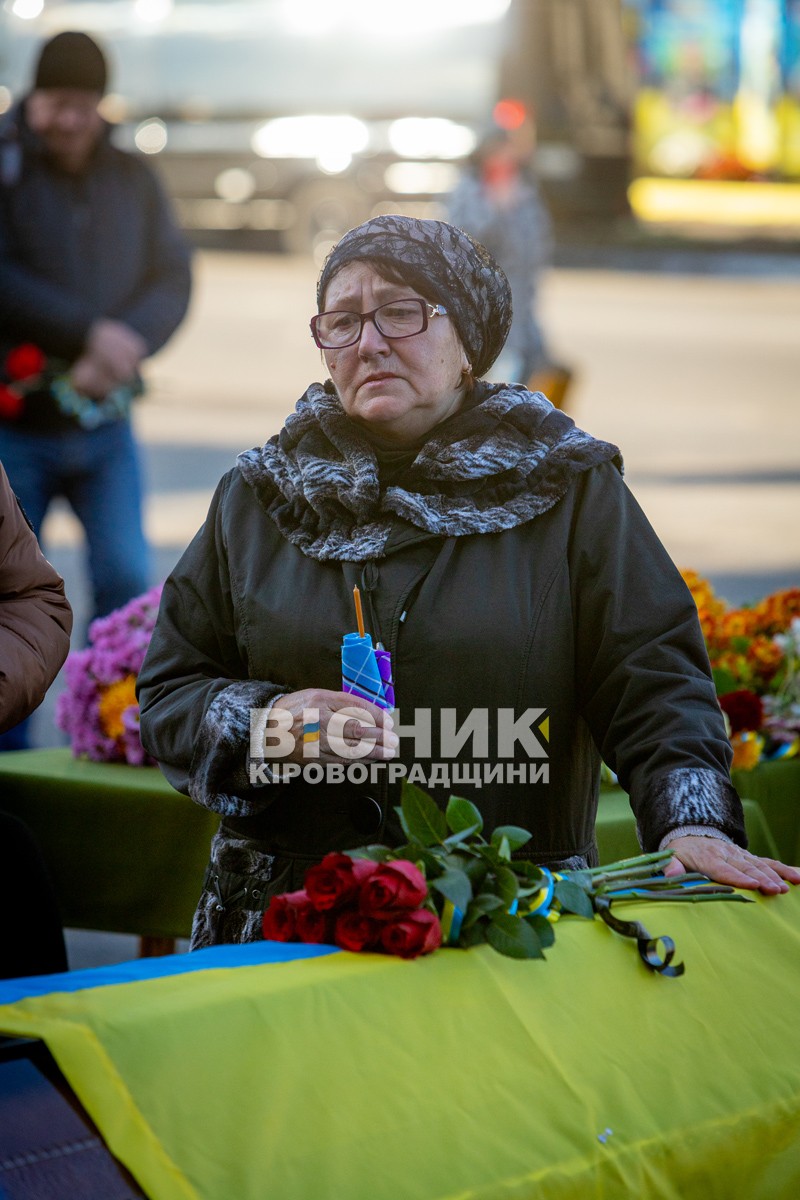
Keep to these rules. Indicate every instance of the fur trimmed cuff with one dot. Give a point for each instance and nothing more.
(219, 777)
(689, 796)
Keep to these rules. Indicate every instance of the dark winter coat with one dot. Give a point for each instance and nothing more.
(508, 567)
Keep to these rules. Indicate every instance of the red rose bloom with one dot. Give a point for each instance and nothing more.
(363, 868)
(312, 925)
(392, 886)
(11, 404)
(743, 709)
(24, 361)
(414, 933)
(280, 918)
(355, 932)
(332, 883)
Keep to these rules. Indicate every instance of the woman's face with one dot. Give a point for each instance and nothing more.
(399, 388)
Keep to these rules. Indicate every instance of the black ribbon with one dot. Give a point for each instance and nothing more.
(648, 946)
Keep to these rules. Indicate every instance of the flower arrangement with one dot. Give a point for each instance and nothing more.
(358, 904)
(28, 369)
(755, 661)
(449, 885)
(98, 708)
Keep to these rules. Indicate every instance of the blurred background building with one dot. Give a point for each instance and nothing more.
(288, 121)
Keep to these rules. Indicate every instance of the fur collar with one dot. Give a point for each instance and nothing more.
(491, 467)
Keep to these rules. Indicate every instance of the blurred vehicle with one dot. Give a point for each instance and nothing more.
(301, 118)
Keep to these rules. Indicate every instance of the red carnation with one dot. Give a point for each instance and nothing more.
(332, 883)
(354, 931)
(414, 933)
(393, 886)
(743, 709)
(25, 361)
(280, 918)
(11, 404)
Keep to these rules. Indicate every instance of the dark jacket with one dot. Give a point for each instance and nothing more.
(76, 248)
(574, 611)
(35, 616)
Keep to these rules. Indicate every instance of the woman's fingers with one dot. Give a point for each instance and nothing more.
(327, 726)
(724, 862)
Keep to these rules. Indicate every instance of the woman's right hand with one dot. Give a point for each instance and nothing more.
(350, 729)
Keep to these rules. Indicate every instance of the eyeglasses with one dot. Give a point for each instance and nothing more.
(397, 319)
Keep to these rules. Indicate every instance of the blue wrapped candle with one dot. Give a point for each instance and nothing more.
(367, 671)
(385, 667)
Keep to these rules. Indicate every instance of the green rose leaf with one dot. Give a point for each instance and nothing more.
(489, 855)
(422, 819)
(529, 871)
(544, 930)
(455, 887)
(462, 816)
(507, 885)
(483, 904)
(477, 870)
(463, 835)
(513, 834)
(513, 937)
(471, 935)
(573, 898)
(375, 853)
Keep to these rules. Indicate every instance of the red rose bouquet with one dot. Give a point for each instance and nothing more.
(27, 370)
(24, 365)
(358, 904)
(449, 885)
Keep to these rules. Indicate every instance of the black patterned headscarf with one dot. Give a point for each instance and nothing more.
(446, 266)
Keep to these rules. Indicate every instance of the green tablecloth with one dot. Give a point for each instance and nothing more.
(616, 828)
(462, 1076)
(127, 852)
(775, 786)
(771, 797)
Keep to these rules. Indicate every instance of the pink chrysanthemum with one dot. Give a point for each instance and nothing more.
(98, 708)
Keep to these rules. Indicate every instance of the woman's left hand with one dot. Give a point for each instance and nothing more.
(725, 862)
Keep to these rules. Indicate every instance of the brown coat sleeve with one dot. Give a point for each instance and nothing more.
(35, 615)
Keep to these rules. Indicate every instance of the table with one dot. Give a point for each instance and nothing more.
(463, 1074)
(772, 787)
(775, 786)
(127, 852)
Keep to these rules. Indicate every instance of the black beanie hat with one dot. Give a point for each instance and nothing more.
(71, 60)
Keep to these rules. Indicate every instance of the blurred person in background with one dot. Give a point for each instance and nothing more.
(35, 624)
(94, 278)
(507, 569)
(498, 202)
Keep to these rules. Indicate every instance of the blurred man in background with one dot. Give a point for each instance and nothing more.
(94, 278)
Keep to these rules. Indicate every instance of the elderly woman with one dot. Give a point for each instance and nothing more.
(534, 620)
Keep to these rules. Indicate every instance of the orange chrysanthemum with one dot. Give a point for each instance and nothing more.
(747, 749)
(774, 613)
(113, 702)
